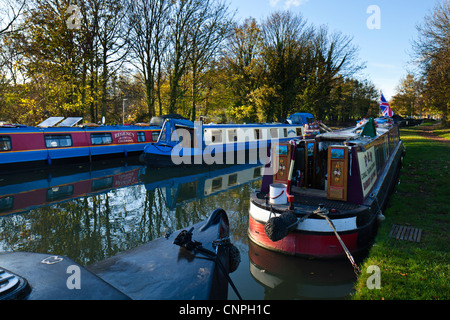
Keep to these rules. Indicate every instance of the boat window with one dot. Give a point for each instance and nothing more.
(185, 135)
(274, 133)
(257, 134)
(61, 192)
(6, 203)
(285, 132)
(162, 137)
(232, 179)
(58, 140)
(101, 138)
(103, 183)
(155, 135)
(5, 143)
(216, 184)
(257, 172)
(216, 136)
(140, 136)
(232, 135)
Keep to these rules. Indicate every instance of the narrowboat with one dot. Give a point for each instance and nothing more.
(183, 142)
(57, 139)
(188, 264)
(322, 197)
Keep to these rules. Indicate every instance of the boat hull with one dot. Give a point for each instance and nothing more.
(314, 237)
(161, 156)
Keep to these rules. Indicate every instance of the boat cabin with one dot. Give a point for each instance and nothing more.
(219, 134)
(339, 165)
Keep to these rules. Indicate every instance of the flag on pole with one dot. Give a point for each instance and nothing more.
(385, 107)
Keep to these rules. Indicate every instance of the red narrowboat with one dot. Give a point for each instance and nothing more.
(54, 140)
(322, 196)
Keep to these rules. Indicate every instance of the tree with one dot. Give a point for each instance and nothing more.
(432, 53)
(50, 56)
(10, 11)
(408, 97)
(242, 61)
(212, 27)
(148, 24)
(112, 40)
(332, 55)
(180, 40)
(285, 45)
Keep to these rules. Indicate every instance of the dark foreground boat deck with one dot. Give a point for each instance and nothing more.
(162, 270)
(190, 264)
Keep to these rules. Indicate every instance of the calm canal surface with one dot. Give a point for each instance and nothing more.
(90, 212)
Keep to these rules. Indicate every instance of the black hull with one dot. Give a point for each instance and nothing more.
(158, 270)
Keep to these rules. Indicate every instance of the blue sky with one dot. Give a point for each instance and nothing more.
(385, 50)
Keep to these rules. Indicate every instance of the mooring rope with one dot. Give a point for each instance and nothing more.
(322, 213)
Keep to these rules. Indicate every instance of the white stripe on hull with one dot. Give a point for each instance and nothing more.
(315, 225)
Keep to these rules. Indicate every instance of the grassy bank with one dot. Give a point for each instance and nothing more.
(410, 270)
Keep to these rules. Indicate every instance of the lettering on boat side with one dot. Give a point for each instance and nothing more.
(228, 309)
(367, 168)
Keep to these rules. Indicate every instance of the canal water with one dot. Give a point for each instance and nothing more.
(90, 212)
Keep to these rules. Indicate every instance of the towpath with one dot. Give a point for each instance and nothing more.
(427, 132)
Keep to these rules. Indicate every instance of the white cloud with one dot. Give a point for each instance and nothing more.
(273, 3)
(288, 3)
(295, 3)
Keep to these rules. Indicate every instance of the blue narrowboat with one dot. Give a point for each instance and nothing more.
(183, 142)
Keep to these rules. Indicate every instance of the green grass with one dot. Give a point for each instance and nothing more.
(444, 133)
(410, 270)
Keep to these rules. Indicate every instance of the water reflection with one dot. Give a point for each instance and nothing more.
(93, 211)
(288, 277)
(90, 212)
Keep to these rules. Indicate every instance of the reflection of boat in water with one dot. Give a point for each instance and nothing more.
(201, 181)
(289, 277)
(22, 192)
(25, 191)
(168, 268)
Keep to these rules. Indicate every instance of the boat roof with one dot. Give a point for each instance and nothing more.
(181, 122)
(246, 125)
(352, 135)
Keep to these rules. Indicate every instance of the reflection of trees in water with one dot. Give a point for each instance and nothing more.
(92, 228)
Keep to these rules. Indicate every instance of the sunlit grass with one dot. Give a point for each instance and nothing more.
(412, 270)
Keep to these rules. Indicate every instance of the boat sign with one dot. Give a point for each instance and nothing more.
(368, 169)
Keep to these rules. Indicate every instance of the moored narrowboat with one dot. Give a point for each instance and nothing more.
(183, 142)
(54, 140)
(322, 197)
